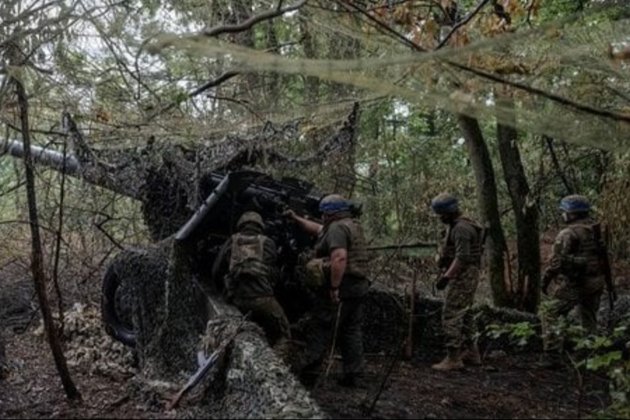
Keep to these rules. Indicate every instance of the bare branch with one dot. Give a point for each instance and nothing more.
(23, 16)
(462, 23)
(490, 76)
(208, 85)
(243, 26)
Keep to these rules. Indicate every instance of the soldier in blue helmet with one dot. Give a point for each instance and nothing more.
(575, 275)
(460, 262)
(341, 244)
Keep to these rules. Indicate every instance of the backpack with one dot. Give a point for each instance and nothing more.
(246, 258)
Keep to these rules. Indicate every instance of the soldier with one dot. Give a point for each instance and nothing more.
(341, 248)
(246, 263)
(461, 260)
(576, 274)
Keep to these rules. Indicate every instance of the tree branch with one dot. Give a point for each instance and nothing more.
(489, 76)
(556, 164)
(208, 85)
(243, 26)
(462, 23)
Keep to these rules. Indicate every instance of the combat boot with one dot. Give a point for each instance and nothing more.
(452, 361)
(471, 355)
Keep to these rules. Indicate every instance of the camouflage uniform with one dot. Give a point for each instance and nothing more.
(577, 280)
(463, 240)
(246, 263)
(342, 232)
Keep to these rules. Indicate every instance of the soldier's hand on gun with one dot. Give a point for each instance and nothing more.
(442, 283)
(289, 213)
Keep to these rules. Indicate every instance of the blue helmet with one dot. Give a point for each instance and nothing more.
(575, 204)
(334, 203)
(444, 203)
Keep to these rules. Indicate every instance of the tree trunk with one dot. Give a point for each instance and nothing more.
(37, 265)
(311, 83)
(3, 358)
(489, 207)
(525, 211)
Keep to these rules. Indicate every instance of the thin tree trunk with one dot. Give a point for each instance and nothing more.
(556, 163)
(525, 210)
(488, 205)
(37, 254)
(311, 83)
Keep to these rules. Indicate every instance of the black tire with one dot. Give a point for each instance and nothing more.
(112, 322)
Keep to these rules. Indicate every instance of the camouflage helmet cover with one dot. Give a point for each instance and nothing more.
(250, 217)
(575, 204)
(333, 203)
(445, 203)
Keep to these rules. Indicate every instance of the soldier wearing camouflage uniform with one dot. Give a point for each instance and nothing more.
(575, 274)
(461, 260)
(246, 263)
(341, 243)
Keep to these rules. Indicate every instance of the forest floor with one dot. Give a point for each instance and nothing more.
(504, 387)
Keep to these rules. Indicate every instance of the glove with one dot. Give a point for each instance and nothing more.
(442, 283)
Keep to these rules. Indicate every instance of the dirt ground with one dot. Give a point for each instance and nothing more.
(505, 387)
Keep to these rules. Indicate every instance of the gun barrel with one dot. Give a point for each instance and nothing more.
(42, 156)
(203, 210)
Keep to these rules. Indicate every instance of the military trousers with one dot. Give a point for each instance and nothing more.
(457, 321)
(320, 332)
(566, 294)
(266, 312)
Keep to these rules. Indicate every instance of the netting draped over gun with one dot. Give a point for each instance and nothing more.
(206, 365)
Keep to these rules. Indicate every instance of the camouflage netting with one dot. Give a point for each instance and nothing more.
(467, 79)
(315, 139)
(259, 385)
(387, 322)
(88, 346)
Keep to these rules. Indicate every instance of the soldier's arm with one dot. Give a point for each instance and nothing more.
(463, 245)
(338, 262)
(561, 251)
(338, 241)
(309, 226)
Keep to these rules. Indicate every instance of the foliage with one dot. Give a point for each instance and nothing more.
(596, 356)
(518, 332)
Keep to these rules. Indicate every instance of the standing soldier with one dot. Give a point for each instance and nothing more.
(246, 262)
(461, 260)
(577, 271)
(341, 246)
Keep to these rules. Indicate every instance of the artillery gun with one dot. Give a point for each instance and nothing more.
(158, 298)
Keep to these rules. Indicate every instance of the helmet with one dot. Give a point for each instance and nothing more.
(250, 217)
(334, 203)
(444, 203)
(575, 204)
